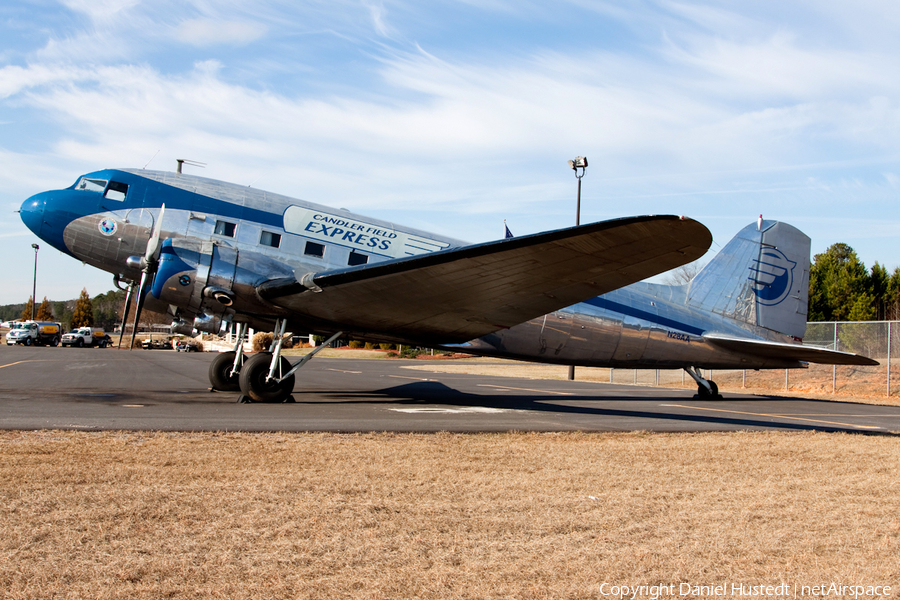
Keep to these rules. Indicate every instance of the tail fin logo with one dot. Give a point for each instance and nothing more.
(772, 276)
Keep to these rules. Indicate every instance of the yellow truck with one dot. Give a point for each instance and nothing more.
(86, 336)
(39, 333)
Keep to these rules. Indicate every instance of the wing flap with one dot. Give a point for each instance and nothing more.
(460, 294)
(799, 352)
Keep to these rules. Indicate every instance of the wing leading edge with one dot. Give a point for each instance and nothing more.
(778, 350)
(460, 294)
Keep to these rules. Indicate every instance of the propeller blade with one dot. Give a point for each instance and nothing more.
(128, 296)
(142, 291)
(151, 257)
(152, 252)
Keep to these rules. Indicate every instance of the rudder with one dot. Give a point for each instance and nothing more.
(760, 277)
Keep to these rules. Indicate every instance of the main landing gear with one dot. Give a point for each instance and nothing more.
(706, 388)
(263, 377)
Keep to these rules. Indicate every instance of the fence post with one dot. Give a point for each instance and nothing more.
(834, 367)
(889, 361)
(785, 380)
(611, 374)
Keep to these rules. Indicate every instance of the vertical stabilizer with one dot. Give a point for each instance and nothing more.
(760, 277)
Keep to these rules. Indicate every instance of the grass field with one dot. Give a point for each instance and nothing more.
(130, 515)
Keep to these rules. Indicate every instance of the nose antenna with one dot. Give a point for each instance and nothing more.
(193, 163)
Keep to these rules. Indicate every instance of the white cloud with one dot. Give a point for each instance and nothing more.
(210, 32)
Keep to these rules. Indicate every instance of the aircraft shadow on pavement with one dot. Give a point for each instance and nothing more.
(433, 392)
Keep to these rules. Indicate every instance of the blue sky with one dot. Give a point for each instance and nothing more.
(452, 116)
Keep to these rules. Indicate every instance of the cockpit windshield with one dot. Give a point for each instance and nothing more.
(91, 185)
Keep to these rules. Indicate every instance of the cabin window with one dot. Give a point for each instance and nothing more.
(225, 228)
(314, 249)
(116, 191)
(357, 259)
(267, 238)
(91, 185)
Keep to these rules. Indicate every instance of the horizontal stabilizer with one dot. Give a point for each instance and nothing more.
(779, 350)
(459, 294)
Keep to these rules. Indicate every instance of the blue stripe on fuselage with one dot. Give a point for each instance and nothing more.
(606, 304)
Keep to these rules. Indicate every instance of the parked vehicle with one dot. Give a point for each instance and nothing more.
(86, 336)
(151, 344)
(185, 345)
(39, 333)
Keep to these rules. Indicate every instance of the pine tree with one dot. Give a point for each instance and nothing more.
(839, 286)
(26, 312)
(44, 312)
(83, 316)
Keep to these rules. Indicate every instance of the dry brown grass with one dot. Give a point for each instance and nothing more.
(130, 515)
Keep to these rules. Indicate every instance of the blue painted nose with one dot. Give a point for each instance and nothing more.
(32, 213)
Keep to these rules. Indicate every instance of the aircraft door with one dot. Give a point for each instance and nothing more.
(632, 340)
(555, 332)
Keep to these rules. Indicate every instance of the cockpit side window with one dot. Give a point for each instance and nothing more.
(91, 185)
(116, 191)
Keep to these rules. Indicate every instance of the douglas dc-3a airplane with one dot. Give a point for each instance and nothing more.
(212, 253)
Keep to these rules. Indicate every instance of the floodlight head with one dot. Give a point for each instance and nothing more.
(580, 162)
(36, 247)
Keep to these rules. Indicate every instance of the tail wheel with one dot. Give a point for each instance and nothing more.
(711, 393)
(220, 376)
(253, 379)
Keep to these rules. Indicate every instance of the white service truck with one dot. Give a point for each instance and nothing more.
(86, 336)
(39, 333)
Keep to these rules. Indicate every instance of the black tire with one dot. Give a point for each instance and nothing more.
(708, 394)
(54, 342)
(253, 379)
(220, 377)
(27, 341)
(80, 343)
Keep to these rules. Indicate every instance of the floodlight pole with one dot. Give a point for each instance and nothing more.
(580, 162)
(34, 288)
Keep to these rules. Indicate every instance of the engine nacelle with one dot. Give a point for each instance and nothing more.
(182, 327)
(204, 286)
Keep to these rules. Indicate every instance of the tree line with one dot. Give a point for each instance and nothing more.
(103, 311)
(842, 289)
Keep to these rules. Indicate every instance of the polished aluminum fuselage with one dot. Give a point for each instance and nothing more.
(639, 326)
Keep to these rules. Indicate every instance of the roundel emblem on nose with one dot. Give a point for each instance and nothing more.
(184, 280)
(108, 226)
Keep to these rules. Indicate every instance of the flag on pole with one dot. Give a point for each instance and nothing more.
(508, 232)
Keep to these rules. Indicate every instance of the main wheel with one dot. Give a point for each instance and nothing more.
(711, 393)
(220, 376)
(253, 379)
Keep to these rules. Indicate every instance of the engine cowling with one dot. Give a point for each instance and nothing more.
(205, 284)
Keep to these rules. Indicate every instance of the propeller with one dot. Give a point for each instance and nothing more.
(148, 264)
(128, 296)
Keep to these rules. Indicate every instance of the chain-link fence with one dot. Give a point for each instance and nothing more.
(879, 340)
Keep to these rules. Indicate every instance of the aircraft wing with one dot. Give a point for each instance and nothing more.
(779, 350)
(456, 295)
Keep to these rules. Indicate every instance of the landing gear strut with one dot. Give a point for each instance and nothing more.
(268, 376)
(706, 388)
